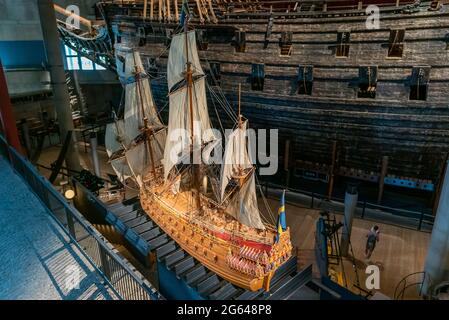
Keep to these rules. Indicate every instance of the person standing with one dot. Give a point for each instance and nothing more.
(372, 239)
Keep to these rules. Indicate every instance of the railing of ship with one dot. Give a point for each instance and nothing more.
(126, 282)
(421, 220)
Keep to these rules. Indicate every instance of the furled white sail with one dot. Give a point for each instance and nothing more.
(235, 157)
(177, 58)
(179, 124)
(244, 206)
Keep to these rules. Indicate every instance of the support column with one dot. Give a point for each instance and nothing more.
(94, 154)
(287, 163)
(8, 121)
(351, 198)
(26, 136)
(437, 260)
(383, 173)
(330, 189)
(58, 80)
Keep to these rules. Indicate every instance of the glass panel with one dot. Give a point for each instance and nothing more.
(70, 52)
(86, 64)
(73, 63)
(98, 67)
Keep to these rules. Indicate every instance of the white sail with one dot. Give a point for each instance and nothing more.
(235, 157)
(115, 138)
(121, 169)
(177, 58)
(138, 156)
(179, 124)
(138, 99)
(243, 206)
(115, 141)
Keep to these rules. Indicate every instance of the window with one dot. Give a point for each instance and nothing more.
(305, 80)
(367, 82)
(73, 62)
(257, 77)
(240, 41)
(396, 43)
(342, 49)
(285, 42)
(77, 62)
(201, 39)
(419, 83)
(214, 75)
(153, 70)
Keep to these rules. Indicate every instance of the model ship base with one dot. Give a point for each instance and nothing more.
(247, 262)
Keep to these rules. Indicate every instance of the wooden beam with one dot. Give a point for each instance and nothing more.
(176, 10)
(211, 9)
(151, 9)
(145, 6)
(332, 170)
(198, 5)
(160, 10)
(383, 173)
(67, 13)
(168, 10)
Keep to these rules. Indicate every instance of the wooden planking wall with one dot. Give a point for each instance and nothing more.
(413, 133)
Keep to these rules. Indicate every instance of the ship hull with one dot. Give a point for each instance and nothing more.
(211, 247)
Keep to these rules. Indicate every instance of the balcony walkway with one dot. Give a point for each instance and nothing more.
(37, 260)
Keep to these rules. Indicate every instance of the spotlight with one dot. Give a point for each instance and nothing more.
(69, 194)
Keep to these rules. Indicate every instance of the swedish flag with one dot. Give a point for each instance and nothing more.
(184, 13)
(281, 224)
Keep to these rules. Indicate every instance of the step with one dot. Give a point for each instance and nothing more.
(144, 227)
(151, 234)
(184, 265)
(136, 221)
(123, 210)
(130, 216)
(207, 284)
(285, 269)
(174, 257)
(249, 295)
(165, 249)
(224, 293)
(158, 241)
(195, 274)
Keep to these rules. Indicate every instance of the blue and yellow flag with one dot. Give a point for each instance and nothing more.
(184, 13)
(282, 224)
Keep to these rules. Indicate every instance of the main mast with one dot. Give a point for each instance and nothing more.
(189, 81)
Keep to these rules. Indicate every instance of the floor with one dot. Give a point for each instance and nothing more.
(37, 260)
(399, 252)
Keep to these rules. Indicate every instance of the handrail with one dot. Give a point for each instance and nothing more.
(420, 217)
(402, 285)
(109, 260)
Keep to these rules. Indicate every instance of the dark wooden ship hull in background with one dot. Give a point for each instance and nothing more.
(317, 88)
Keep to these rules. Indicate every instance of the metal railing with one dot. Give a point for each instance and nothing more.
(413, 280)
(126, 282)
(419, 220)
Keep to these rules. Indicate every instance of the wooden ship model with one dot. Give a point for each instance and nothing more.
(210, 209)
